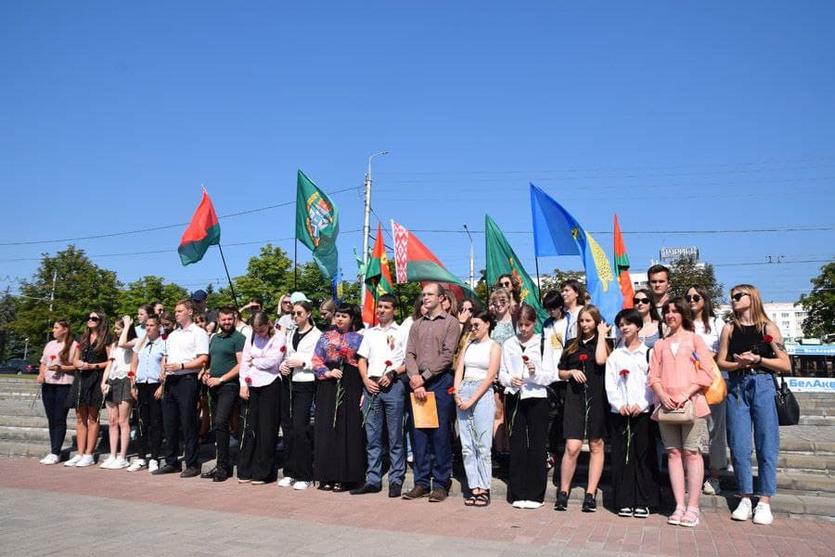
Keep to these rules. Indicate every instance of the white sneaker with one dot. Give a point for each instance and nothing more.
(286, 481)
(520, 504)
(743, 510)
(153, 465)
(532, 504)
(118, 463)
(107, 462)
(51, 458)
(136, 465)
(74, 460)
(299, 486)
(86, 460)
(711, 487)
(762, 514)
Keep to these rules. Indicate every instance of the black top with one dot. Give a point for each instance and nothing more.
(91, 356)
(298, 336)
(751, 338)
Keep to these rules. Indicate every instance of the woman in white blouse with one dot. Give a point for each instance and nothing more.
(116, 387)
(633, 445)
(526, 410)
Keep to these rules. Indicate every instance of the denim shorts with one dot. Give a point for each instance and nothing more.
(688, 437)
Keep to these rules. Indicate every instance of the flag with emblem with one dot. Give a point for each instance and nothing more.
(377, 278)
(317, 226)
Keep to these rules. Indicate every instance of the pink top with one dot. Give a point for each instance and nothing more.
(260, 360)
(52, 356)
(677, 372)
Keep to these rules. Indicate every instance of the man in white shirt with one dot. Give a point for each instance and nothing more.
(186, 352)
(381, 368)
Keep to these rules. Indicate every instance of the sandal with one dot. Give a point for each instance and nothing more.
(691, 518)
(675, 518)
(482, 499)
(469, 501)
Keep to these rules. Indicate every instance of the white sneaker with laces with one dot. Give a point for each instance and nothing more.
(86, 460)
(299, 486)
(118, 463)
(51, 458)
(743, 510)
(107, 462)
(136, 465)
(762, 514)
(74, 460)
(711, 487)
(153, 465)
(286, 481)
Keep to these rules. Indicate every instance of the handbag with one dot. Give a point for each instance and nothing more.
(788, 410)
(684, 415)
(718, 390)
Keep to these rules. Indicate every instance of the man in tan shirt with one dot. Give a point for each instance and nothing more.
(429, 353)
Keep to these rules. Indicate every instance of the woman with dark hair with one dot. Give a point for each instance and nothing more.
(56, 376)
(650, 331)
(514, 290)
(474, 376)
(260, 387)
(584, 417)
(297, 392)
(709, 327)
(526, 410)
(339, 449)
(574, 298)
(85, 394)
(116, 388)
(677, 376)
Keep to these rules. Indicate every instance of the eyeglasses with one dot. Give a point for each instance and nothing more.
(694, 298)
(640, 301)
(94, 318)
(738, 296)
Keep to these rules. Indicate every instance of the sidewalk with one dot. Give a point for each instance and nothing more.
(109, 511)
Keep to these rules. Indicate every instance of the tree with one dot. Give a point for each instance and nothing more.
(820, 304)
(553, 281)
(149, 289)
(11, 344)
(80, 286)
(686, 271)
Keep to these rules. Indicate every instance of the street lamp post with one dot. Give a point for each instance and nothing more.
(25, 347)
(472, 257)
(366, 224)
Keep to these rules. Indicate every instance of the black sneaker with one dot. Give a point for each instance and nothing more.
(562, 501)
(395, 490)
(641, 512)
(589, 504)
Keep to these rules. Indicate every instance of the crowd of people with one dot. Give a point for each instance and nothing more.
(343, 395)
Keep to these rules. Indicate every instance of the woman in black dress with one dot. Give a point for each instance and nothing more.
(339, 447)
(85, 394)
(583, 363)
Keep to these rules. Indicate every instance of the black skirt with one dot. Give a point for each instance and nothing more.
(86, 390)
(586, 408)
(339, 451)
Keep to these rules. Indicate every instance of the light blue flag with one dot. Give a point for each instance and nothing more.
(556, 232)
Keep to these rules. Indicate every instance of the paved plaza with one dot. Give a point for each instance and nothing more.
(53, 510)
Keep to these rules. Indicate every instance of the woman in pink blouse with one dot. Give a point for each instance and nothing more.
(677, 377)
(55, 376)
(260, 389)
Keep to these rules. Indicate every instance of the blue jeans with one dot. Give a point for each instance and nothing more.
(437, 442)
(386, 407)
(751, 403)
(475, 427)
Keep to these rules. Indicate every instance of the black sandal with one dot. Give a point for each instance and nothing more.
(469, 501)
(482, 499)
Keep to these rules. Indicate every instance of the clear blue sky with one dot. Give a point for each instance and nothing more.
(679, 116)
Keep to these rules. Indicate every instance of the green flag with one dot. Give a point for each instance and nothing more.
(317, 225)
(502, 260)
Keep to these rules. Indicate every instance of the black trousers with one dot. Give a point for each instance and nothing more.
(223, 398)
(179, 413)
(634, 479)
(296, 428)
(259, 432)
(149, 410)
(528, 440)
(555, 415)
(54, 404)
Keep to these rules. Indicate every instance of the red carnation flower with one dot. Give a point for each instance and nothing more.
(284, 348)
(388, 363)
(248, 380)
(767, 339)
(584, 357)
(451, 391)
(52, 356)
(524, 358)
(624, 373)
(131, 373)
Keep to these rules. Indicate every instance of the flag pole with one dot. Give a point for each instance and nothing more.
(225, 268)
(538, 284)
(295, 264)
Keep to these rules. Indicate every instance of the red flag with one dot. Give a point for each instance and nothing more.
(377, 279)
(202, 232)
(622, 267)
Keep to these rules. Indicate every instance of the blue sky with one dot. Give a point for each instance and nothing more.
(679, 117)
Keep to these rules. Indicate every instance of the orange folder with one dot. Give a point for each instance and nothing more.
(425, 412)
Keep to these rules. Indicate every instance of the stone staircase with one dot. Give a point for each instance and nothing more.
(806, 465)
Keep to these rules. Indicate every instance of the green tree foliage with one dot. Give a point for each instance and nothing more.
(687, 271)
(820, 304)
(552, 281)
(11, 344)
(149, 289)
(81, 286)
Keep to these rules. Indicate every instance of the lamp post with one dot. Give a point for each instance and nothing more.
(366, 223)
(25, 347)
(472, 257)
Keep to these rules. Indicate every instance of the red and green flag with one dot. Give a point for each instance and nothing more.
(202, 232)
(377, 278)
(622, 267)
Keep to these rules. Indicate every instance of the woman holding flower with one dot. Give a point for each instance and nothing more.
(260, 390)
(584, 417)
(116, 383)
(751, 349)
(526, 398)
(339, 449)
(55, 376)
(677, 377)
(634, 470)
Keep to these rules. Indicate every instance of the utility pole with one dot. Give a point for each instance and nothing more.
(472, 258)
(366, 223)
(52, 299)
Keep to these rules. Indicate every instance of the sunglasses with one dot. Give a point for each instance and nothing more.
(640, 301)
(738, 296)
(94, 318)
(693, 298)
(505, 284)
